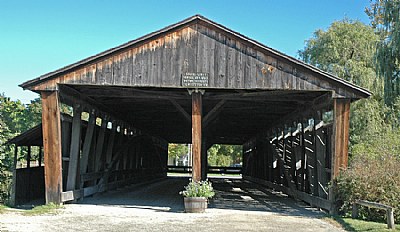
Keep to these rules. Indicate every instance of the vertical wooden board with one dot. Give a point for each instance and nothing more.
(66, 128)
(201, 59)
(100, 145)
(321, 142)
(220, 62)
(110, 145)
(240, 62)
(157, 63)
(261, 71)
(128, 68)
(116, 69)
(231, 64)
(341, 116)
(150, 60)
(52, 146)
(315, 160)
(75, 148)
(175, 60)
(293, 82)
(211, 58)
(252, 81)
(99, 73)
(246, 69)
(87, 144)
(179, 54)
(142, 60)
(192, 43)
(107, 71)
(166, 60)
(136, 68)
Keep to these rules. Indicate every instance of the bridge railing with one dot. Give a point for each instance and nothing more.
(210, 169)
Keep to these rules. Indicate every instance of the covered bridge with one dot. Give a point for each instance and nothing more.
(193, 82)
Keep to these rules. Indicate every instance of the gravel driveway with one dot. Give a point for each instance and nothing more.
(238, 206)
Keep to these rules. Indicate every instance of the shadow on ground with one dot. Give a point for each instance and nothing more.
(244, 195)
(233, 194)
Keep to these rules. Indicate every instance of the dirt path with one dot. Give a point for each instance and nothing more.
(238, 206)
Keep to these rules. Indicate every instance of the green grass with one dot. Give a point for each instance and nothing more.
(350, 224)
(43, 209)
(3, 208)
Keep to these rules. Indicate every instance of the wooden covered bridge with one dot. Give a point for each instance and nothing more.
(107, 119)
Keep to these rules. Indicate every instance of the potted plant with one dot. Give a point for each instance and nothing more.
(196, 195)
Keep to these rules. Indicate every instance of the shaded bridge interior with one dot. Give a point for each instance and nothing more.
(281, 148)
(229, 116)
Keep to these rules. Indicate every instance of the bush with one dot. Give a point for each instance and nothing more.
(375, 179)
(198, 189)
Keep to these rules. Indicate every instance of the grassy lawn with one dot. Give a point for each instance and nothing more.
(350, 224)
(43, 209)
(2, 208)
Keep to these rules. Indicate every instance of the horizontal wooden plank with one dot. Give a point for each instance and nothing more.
(71, 195)
(373, 204)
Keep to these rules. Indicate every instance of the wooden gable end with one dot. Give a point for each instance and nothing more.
(231, 62)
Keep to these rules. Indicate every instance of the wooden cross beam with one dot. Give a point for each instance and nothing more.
(180, 109)
(213, 113)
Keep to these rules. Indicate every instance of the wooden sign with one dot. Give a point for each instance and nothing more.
(195, 80)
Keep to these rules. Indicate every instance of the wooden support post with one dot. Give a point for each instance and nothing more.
(320, 150)
(100, 144)
(303, 159)
(52, 146)
(87, 143)
(28, 157)
(340, 142)
(204, 162)
(316, 169)
(40, 156)
(75, 148)
(14, 177)
(196, 135)
(390, 218)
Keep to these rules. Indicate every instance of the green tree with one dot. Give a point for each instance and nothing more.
(347, 50)
(385, 18)
(15, 118)
(224, 155)
(175, 150)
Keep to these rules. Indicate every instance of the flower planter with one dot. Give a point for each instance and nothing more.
(195, 204)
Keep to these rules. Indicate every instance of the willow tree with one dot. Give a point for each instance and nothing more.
(385, 18)
(347, 49)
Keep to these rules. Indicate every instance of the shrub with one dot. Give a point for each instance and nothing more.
(375, 179)
(198, 189)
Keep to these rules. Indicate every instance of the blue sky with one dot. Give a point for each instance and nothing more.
(37, 37)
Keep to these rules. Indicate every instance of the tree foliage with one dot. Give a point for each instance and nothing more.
(385, 18)
(346, 49)
(224, 155)
(175, 150)
(15, 118)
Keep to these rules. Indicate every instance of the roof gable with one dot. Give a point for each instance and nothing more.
(197, 44)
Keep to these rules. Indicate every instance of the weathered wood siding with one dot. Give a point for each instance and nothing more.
(231, 63)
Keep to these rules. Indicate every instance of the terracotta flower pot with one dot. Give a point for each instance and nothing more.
(195, 204)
